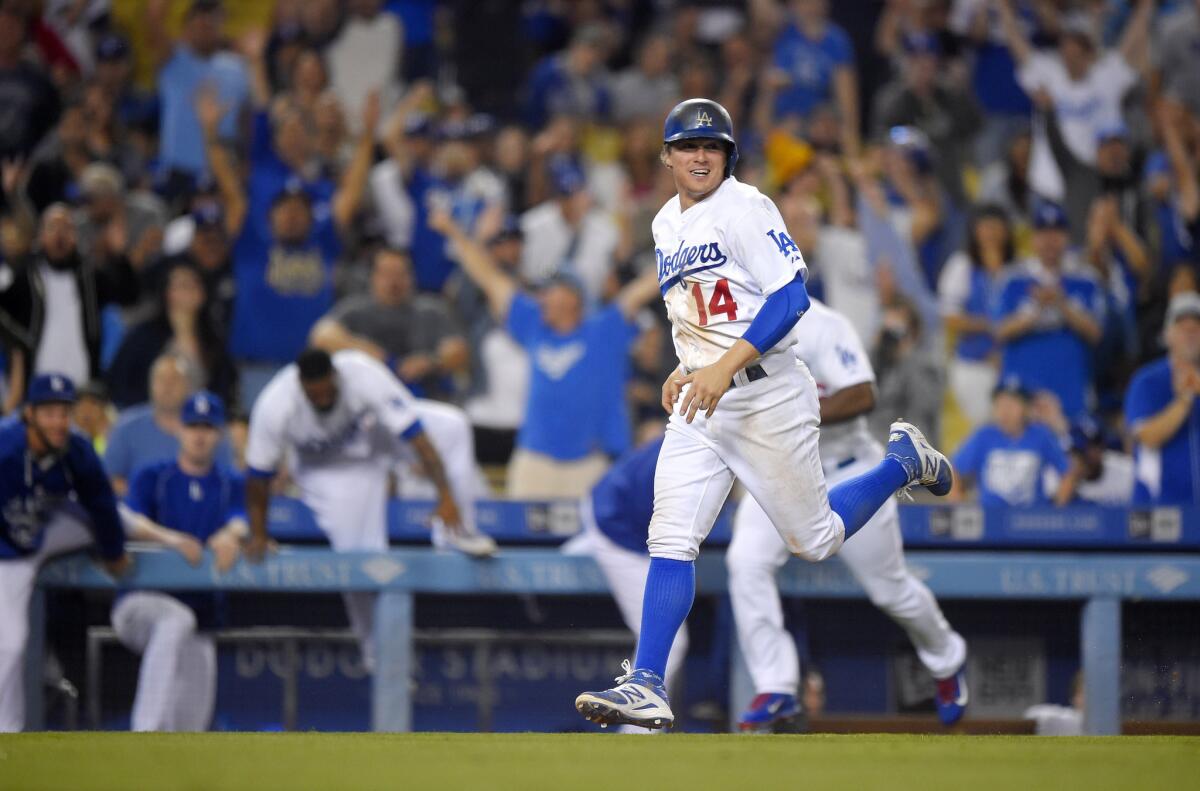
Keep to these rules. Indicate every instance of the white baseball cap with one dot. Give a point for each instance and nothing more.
(1182, 305)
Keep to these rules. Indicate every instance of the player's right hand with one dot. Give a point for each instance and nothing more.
(257, 546)
(119, 567)
(671, 390)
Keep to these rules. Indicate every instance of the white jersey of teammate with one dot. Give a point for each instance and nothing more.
(835, 356)
(373, 408)
(342, 459)
(717, 262)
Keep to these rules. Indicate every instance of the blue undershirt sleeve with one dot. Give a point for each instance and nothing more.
(779, 314)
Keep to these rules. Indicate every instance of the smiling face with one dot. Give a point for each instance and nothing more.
(698, 167)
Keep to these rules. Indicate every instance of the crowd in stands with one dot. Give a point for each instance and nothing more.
(1003, 196)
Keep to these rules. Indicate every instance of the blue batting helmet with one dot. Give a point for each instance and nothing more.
(701, 119)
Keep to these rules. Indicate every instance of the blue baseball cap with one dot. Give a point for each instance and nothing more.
(922, 44)
(1157, 164)
(567, 177)
(51, 388)
(208, 215)
(111, 47)
(204, 409)
(1115, 131)
(1085, 431)
(1048, 215)
(1012, 385)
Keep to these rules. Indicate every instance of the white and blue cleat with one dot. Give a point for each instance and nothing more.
(952, 697)
(638, 699)
(767, 711)
(926, 466)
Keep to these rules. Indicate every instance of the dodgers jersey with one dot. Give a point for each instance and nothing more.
(32, 490)
(835, 357)
(717, 263)
(373, 408)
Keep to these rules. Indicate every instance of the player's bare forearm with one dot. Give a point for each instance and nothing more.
(477, 263)
(848, 403)
(431, 463)
(258, 497)
(634, 296)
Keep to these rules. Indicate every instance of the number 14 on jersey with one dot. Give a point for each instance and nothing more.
(721, 301)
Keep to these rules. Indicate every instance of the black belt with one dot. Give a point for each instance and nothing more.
(753, 374)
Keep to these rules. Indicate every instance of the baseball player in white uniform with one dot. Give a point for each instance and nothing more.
(342, 421)
(835, 357)
(733, 282)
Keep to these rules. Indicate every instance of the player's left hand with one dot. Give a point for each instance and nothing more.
(707, 386)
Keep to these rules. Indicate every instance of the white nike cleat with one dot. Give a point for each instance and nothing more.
(638, 699)
(469, 542)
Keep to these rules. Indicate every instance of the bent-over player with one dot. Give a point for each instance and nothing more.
(186, 503)
(54, 497)
(342, 419)
(733, 282)
(834, 354)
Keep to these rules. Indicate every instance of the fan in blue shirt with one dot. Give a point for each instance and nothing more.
(580, 362)
(814, 62)
(288, 223)
(54, 497)
(1049, 316)
(1162, 411)
(187, 503)
(1011, 461)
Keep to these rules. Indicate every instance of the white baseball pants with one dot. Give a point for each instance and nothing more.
(64, 533)
(875, 556)
(626, 573)
(177, 682)
(765, 433)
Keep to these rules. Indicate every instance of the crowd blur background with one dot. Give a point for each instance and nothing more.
(1002, 195)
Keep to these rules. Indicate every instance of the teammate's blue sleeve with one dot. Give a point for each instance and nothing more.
(96, 495)
(779, 314)
(140, 497)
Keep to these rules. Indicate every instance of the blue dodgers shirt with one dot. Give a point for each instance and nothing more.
(623, 500)
(811, 66)
(32, 491)
(196, 505)
(181, 139)
(282, 290)
(1051, 358)
(577, 399)
(1169, 475)
(1011, 471)
(137, 441)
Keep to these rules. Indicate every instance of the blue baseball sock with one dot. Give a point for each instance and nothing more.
(857, 499)
(670, 589)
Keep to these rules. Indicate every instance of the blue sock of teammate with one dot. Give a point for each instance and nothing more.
(670, 589)
(857, 499)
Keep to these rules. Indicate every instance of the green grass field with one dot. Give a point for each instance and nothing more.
(84, 761)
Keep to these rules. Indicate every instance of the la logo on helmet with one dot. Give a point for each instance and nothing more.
(703, 119)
